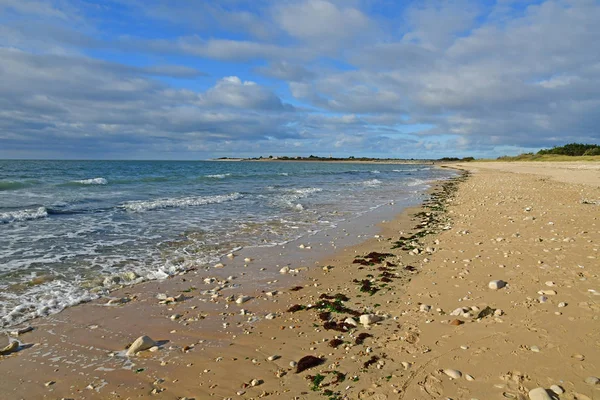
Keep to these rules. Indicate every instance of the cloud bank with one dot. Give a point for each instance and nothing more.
(193, 80)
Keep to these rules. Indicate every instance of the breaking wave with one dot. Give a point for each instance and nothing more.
(93, 181)
(23, 215)
(148, 205)
(217, 176)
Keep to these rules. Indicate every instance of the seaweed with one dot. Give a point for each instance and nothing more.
(335, 343)
(296, 307)
(324, 316)
(316, 381)
(485, 312)
(337, 326)
(296, 288)
(308, 362)
(360, 339)
(370, 361)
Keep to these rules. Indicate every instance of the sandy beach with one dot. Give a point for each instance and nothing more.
(489, 290)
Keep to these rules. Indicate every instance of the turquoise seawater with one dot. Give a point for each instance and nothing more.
(69, 230)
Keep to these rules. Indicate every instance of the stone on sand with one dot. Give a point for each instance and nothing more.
(242, 299)
(9, 348)
(453, 373)
(142, 343)
(539, 394)
(592, 380)
(368, 319)
(496, 284)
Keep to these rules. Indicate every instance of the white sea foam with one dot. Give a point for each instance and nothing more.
(93, 181)
(147, 205)
(418, 182)
(283, 174)
(375, 171)
(217, 176)
(291, 197)
(371, 183)
(23, 215)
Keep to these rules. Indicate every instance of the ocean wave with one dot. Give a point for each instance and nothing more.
(369, 183)
(23, 215)
(283, 174)
(92, 181)
(217, 176)
(12, 185)
(148, 205)
(291, 197)
(418, 182)
(375, 171)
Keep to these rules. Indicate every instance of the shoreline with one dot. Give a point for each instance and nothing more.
(416, 340)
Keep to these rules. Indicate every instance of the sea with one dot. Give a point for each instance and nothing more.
(70, 231)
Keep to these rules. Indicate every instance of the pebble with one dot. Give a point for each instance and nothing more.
(453, 373)
(539, 394)
(242, 299)
(230, 256)
(562, 304)
(293, 364)
(496, 284)
(406, 365)
(140, 344)
(550, 283)
(284, 270)
(542, 299)
(547, 292)
(557, 389)
(469, 378)
(219, 265)
(535, 349)
(9, 348)
(424, 308)
(273, 357)
(368, 319)
(247, 259)
(270, 316)
(255, 382)
(592, 380)
(21, 331)
(49, 383)
(350, 321)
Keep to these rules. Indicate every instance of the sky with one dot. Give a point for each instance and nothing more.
(200, 79)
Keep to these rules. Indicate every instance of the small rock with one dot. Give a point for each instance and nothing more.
(453, 373)
(293, 364)
(49, 383)
(9, 348)
(21, 331)
(247, 259)
(424, 308)
(302, 246)
(270, 316)
(539, 394)
(557, 389)
(592, 380)
(142, 343)
(242, 299)
(350, 321)
(550, 283)
(175, 317)
(496, 284)
(547, 292)
(255, 382)
(230, 256)
(368, 319)
(578, 357)
(273, 357)
(542, 299)
(562, 304)
(535, 349)
(406, 365)
(498, 313)
(219, 265)
(456, 322)
(284, 270)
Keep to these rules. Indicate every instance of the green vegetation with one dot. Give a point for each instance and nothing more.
(568, 152)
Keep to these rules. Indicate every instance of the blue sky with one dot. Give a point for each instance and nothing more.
(184, 79)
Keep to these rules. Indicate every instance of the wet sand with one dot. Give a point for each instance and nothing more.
(532, 232)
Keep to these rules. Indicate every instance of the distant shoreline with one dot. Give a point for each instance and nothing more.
(345, 161)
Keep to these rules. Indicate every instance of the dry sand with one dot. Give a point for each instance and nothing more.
(534, 233)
